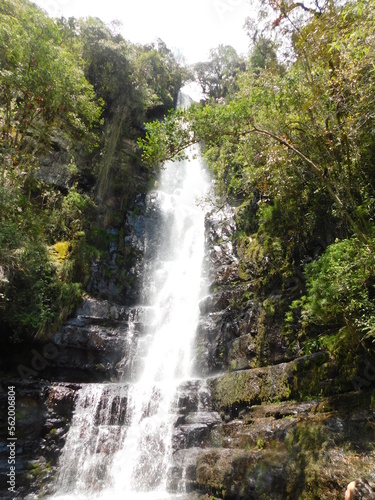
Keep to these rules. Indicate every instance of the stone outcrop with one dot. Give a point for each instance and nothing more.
(289, 450)
(278, 450)
(241, 389)
(43, 412)
(291, 426)
(231, 332)
(119, 277)
(91, 345)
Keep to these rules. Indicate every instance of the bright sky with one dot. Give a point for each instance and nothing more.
(191, 28)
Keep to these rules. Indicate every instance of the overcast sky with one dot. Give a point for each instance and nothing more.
(192, 27)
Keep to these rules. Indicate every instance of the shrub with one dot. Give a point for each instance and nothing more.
(340, 293)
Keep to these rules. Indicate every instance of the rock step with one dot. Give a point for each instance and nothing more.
(302, 378)
(284, 447)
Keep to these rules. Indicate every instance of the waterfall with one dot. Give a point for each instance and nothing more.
(120, 441)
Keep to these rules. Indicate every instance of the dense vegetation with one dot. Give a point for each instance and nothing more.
(292, 147)
(73, 97)
(287, 134)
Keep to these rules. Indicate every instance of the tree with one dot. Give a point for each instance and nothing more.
(217, 77)
(43, 95)
(41, 82)
(303, 110)
(263, 55)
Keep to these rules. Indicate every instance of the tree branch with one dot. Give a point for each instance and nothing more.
(319, 173)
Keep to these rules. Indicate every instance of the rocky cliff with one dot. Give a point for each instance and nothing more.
(290, 426)
(261, 423)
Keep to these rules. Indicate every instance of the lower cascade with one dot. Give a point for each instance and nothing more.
(120, 444)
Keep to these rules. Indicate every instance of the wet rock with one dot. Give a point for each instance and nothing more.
(61, 399)
(131, 254)
(187, 436)
(187, 398)
(86, 353)
(102, 310)
(44, 411)
(220, 227)
(241, 353)
(98, 344)
(206, 418)
(193, 429)
(226, 312)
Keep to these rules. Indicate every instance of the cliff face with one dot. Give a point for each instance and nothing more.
(291, 427)
(43, 413)
(260, 424)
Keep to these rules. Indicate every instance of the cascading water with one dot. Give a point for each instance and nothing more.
(120, 441)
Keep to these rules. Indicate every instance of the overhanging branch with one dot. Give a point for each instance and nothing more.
(318, 172)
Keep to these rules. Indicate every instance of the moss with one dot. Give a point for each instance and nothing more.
(317, 376)
(108, 273)
(251, 256)
(37, 470)
(314, 456)
(260, 443)
(61, 250)
(236, 390)
(316, 449)
(301, 379)
(99, 238)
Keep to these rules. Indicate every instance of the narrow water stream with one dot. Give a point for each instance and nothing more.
(119, 445)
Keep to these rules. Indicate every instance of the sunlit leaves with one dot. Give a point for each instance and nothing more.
(340, 288)
(42, 83)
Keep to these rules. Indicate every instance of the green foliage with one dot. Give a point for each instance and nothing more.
(293, 149)
(218, 76)
(44, 300)
(65, 84)
(160, 74)
(260, 443)
(263, 55)
(35, 293)
(42, 84)
(165, 139)
(113, 65)
(340, 288)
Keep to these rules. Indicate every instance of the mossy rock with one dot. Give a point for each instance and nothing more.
(38, 469)
(239, 474)
(312, 455)
(300, 379)
(248, 387)
(60, 250)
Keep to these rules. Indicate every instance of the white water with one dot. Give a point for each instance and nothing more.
(119, 444)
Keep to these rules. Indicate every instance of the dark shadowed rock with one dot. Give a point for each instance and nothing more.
(44, 412)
